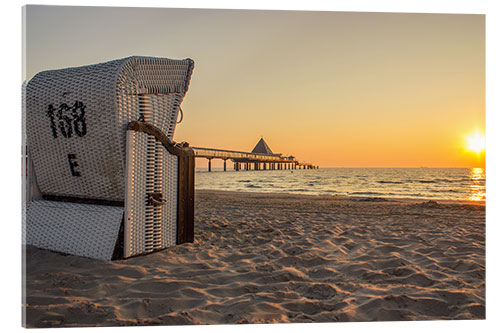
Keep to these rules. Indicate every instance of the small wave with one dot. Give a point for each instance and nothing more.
(446, 191)
(442, 180)
(445, 180)
(462, 179)
(253, 186)
(389, 182)
(244, 181)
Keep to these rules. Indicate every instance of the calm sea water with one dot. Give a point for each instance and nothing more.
(421, 183)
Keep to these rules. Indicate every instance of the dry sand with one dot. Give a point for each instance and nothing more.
(279, 258)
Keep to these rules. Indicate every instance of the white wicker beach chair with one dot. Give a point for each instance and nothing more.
(105, 180)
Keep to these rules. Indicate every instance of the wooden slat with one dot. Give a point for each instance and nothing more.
(185, 210)
(189, 225)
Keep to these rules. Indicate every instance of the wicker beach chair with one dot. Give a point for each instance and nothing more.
(105, 180)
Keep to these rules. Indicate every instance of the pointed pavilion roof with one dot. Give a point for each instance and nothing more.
(262, 148)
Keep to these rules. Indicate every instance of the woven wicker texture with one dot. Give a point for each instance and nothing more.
(150, 169)
(79, 229)
(76, 120)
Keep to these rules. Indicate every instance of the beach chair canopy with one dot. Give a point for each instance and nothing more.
(76, 120)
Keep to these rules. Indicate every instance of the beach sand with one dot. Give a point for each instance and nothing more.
(269, 258)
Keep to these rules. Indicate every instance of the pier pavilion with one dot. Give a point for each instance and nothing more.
(260, 158)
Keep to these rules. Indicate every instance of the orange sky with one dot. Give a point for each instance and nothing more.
(336, 89)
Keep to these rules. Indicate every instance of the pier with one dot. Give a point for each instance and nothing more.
(260, 158)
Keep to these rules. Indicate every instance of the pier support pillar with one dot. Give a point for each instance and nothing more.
(265, 166)
(209, 164)
(225, 165)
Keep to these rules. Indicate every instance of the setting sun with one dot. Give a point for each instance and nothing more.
(476, 143)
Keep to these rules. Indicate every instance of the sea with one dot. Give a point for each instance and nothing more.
(418, 183)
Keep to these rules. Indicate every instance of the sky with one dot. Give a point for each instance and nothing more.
(336, 89)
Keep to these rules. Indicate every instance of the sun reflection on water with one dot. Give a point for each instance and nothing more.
(477, 187)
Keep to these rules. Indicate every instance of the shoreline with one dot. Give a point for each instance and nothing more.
(350, 197)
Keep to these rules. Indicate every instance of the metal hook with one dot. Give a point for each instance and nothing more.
(156, 199)
(182, 115)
